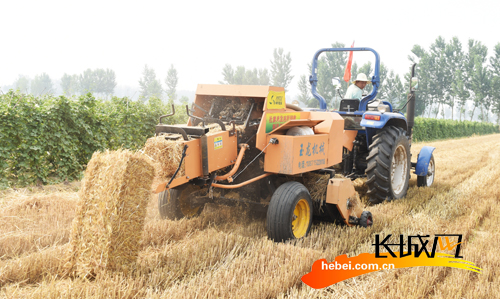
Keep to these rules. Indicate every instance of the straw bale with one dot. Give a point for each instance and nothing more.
(107, 229)
(317, 185)
(166, 155)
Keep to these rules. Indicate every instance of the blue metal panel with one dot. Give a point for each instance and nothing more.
(350, 113)
(424, 157)
(379, 124)
(313, 79)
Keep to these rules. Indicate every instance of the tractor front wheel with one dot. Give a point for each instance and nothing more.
(388, 171)
(290, 212)
(174, 203)
(427, 180)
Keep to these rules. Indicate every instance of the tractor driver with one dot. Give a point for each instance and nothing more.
(355, 91)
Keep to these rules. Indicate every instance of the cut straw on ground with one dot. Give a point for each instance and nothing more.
(223, 254)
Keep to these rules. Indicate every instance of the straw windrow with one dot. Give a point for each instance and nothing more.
(108, 226)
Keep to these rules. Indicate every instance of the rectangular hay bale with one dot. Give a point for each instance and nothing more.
(109, 221)
(166, 155)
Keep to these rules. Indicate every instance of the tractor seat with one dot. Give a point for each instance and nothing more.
(349, 105)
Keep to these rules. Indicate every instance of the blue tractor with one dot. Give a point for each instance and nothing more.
(381, 148)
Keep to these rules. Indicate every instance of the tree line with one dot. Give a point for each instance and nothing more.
(280, 74)
(461, 80)
(453, 76)
(99, 81)
(150, 86)
(329, 66)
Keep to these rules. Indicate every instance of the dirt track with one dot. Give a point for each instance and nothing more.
(224, 253)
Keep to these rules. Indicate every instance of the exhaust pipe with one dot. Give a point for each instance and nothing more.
(410, 109)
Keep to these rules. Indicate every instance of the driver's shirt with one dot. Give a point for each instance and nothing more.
(353, 92)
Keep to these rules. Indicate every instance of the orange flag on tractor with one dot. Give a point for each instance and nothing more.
(347, 72)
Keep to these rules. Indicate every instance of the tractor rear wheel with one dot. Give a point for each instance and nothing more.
(290, 212)
(174, 203)
(388, 171)
(427, 180)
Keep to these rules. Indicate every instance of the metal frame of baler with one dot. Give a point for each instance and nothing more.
(199, 197)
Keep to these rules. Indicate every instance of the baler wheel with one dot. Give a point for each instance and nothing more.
(388, 171)
(366, 219)
(427, 180)
(290, 212)
(174, 204)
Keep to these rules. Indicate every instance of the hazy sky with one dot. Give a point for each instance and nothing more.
(199, 37)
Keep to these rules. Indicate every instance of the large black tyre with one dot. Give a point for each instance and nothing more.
(388, 170)
(427, 180)
(173, 204)
(290, 212)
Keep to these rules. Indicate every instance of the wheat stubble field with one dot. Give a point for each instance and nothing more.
(225, 253)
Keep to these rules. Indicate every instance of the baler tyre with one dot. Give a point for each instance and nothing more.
(427, 180)
(173, 204)
(388, 165)
(366, 219)
(290, 212)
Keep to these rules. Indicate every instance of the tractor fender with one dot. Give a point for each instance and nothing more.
(386, 119)
(423, 160)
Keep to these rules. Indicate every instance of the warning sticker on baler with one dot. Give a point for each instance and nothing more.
(218, 142)
(274, 120)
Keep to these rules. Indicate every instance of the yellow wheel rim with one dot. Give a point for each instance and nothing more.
(301, 218)
(184, 202)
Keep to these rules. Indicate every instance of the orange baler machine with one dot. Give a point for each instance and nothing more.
(254, 135)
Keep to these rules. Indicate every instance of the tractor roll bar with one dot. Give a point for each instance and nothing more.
(313, 79)
(410, 109)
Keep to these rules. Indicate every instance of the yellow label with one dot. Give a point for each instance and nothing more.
(370, 122)
(218, 142)
(274, 120)
(276, 100)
